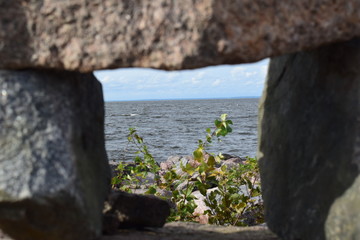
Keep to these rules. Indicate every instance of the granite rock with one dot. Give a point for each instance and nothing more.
(54, 173)
(86, 35)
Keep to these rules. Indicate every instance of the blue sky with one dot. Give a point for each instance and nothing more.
(224, 81)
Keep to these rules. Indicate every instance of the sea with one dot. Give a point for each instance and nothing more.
(173, 127)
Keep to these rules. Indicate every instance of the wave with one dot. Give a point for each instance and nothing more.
(129, 115)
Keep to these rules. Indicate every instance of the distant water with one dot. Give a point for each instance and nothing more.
(173, 127)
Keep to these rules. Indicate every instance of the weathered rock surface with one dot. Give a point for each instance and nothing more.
(54, 173)
(309, 143)
(93, 34)
(126, 210)
(193, 231)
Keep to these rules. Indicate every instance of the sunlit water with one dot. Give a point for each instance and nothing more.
(173, 127)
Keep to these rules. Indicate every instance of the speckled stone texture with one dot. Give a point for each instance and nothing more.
(309, 149)
(86, 35)
(54, 173)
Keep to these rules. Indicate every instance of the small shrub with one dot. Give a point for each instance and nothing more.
(235, 198)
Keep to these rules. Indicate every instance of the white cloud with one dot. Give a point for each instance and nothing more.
(136, 83)
(195, 81)
(236, 70)
(216, 82)
(200, 74)
(105, 79)
(249, 74)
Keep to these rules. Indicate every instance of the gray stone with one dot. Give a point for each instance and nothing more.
(134, 211)
(195, 231)
(344, 216)
(232, 162)
(86, 35)
(309, 143)
(54, 175)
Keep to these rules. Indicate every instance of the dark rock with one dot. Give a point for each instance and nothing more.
(54, 173)
(309, 143)
(86, 35)
(135, 211)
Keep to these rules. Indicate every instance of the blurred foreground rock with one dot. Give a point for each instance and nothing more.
(54, 173)
(309, 143)
(87, 35)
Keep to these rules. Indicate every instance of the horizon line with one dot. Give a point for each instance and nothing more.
(184, 99)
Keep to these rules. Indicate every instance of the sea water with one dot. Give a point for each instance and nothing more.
(173, 127)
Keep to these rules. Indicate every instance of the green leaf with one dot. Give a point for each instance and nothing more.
(201, 188)
(211, 161)
(198, 154)
(151, 190)
(217, 123)
(235, 197)
(202, 168)
(189, 190)
(189, 169)
(217, 132)
(255, 192)
(223, 117)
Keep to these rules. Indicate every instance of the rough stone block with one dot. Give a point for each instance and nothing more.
(126, 210)
(54, 173)
(87, 35)
(309, 143)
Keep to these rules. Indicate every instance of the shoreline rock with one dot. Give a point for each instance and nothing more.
(126, 210)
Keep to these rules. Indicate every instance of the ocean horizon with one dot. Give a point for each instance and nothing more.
(180, 99)
(173, 127)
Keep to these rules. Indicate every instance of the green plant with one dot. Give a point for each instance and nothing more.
(236, 201)
(132, 176)
(233, 195)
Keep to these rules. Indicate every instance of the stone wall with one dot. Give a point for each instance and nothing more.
(53, 167)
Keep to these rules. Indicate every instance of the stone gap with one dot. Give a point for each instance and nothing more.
(53, 165)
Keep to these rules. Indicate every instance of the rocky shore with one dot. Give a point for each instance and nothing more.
(176, 164)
